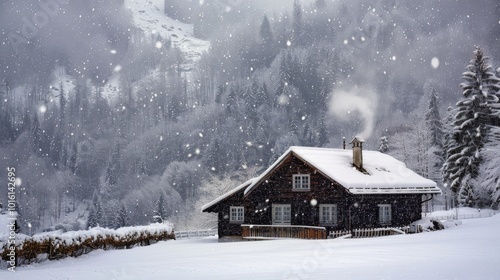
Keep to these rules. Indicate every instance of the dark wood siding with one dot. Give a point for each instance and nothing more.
(225, 227)
(278, 189)
(405, 208)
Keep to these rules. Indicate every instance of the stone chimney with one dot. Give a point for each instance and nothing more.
(357, 152)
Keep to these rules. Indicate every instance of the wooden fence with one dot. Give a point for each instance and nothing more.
(464, 216)
(282, 231)
(369, 232)
(195, 233)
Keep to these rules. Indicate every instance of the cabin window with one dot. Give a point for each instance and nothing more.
(328, 214)
(236, 214)
(282, 214)
(301, 182)
(384, 214)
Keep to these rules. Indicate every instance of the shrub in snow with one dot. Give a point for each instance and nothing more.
(56, 245)
(452, 223)
(432, 224)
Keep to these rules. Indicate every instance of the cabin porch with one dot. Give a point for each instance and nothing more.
(282, 231)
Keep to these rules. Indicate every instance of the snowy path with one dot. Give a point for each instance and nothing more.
(469, 251)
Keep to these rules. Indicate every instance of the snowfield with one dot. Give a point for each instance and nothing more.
(469, 251)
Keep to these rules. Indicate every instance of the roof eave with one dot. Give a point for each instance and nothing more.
(416, 190)
(209, 207)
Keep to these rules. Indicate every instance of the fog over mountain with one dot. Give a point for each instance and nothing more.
(37, 35)
(401, 38)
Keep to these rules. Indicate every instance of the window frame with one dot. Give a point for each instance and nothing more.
(236, 210)
(283, 221)
(301, 188)
(333, 213)
(385, 217)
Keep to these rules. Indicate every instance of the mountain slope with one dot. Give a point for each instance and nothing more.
(149, 17)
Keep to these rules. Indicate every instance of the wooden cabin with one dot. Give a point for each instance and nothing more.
(309, 192)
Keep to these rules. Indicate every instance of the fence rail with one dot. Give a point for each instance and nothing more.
(195, 233)
(464, 216)
(369, 232)
(282, 231)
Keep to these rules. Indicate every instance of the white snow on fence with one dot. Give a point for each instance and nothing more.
(187, 234)
(461, 213)
(368, 232)
(465, 216)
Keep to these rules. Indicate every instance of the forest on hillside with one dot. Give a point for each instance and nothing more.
(179, 132)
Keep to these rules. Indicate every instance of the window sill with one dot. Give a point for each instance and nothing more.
(301, 190)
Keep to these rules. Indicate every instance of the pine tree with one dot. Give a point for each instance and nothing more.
(449, 167)
(36, 136)
(122, 219)
(113, 165)
(384, 145)
(91, 219)
(55, 148)
(72, 165)
(297, 27)
(111, 178)
(265, 31)
(7, 131)
(142, 168)
(263, 96)
(159, 212)
(99, 213)
(213, 159)
(62, 107)
(489, 172)
(96, 212)
(267, 49)
(469, 128)
(436, 137)
(322, 134)
(433, 121)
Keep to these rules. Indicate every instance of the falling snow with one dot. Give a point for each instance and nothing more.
(121, 102)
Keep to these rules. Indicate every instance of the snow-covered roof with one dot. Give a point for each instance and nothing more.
(228, 194)
(385, 173)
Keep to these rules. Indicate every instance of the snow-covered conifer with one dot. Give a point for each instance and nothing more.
(36, 136)
(435, 135)
(433, 120)
(91, 219)
(470, 127)
(384, 145)
(122, 219)
(160, 208)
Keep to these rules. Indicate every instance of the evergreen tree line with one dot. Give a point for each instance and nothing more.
(463, 150)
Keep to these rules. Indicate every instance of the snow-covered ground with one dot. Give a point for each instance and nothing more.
(469, 251)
